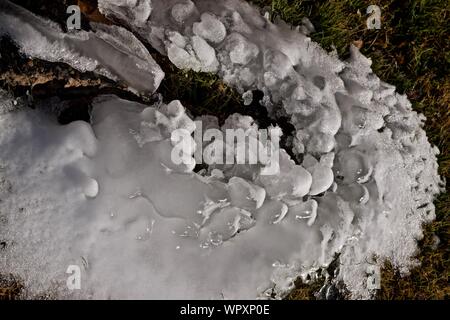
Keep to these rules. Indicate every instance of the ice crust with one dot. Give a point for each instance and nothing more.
(111, 51)
(187, 248)
(249, 52)
(108, 197)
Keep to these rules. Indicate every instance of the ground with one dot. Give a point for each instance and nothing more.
(411, 51)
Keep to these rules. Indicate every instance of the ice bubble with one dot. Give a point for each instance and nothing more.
(280, 215)
(304, 211)
(353, 166)
(292, 181)
(205, 54)
(322, 179)
(242, 51)
(177, 39)
(91, 188)
(182, 58)
(111, 51)
(245, 195)
(182, 11)
(210, 28)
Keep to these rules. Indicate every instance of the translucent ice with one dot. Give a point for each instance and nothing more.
(210, 28)
(241, 50)
(111, 51)
(371, 156)
(98, 198)
(364, 187)
(182, 11)
(139, 13)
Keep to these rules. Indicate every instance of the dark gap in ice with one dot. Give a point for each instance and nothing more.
(319, 82)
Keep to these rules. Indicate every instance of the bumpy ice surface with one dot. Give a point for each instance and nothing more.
(106, 195)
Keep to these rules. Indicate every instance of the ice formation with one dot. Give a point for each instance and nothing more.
(107, 195)
(111, 51)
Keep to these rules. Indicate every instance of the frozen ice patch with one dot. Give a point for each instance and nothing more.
(110, 50)
(113, 199)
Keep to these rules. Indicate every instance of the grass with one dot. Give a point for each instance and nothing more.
(9, 288)
(411, 51)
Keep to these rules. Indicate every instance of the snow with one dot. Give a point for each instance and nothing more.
(106, 195)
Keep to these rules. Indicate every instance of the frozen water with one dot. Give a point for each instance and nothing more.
(183, 10)
(372, 157)
(194, 53)
(247, 96)
(109, 194)
(111, 51)
(94, 194)
(205, 54)
(241, 50)
(322, 178)
(139, 13)
(210, 28)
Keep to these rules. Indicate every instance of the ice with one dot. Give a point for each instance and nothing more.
(196, 55)
(210, 28)
(307, 27)
(182, 11)
(322, 179)
(294, 181)
(7, 103)
(137, 11)
(259, 55)
(246, 195)
(110, 193)
(182, 58)
(205, 54)
(338, 109)
(247, 96)
(241, 50)
(305, 210)
(110, 50)
(177, 39)
(136, 216)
